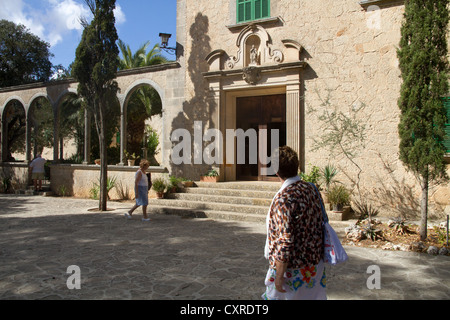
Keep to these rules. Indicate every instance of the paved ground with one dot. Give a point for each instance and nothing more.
(173, 258)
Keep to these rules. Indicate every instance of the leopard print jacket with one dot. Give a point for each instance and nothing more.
(296, 227)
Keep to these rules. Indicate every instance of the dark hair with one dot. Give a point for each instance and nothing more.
(288, 163)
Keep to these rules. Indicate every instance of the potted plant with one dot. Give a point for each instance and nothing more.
(174, 184)
(329, 173)
(130, 157)
(210, 176)
(159, 185)
(339, 197)
(187, 183)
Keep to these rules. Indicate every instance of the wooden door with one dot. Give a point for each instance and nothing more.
(257, 113)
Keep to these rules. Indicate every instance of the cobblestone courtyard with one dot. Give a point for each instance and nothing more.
(173, 257)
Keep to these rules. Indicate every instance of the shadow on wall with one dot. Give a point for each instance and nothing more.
(199, 107)
(396, 195)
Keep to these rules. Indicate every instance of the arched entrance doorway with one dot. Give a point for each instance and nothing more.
(258, 113)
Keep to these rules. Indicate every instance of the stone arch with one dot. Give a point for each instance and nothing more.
(38, 135)
(62, 95)
(14, 97)
(38, 96)
(138, 83)
(13, 126)
(61, 114)
(134, 143)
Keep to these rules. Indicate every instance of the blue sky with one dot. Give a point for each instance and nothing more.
(56, 22)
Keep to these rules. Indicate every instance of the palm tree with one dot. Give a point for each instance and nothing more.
(140, 58)
(145, 97)
(130, 60)
(153, 57)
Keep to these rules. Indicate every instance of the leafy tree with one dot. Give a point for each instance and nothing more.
(24, 58)
(95, 68)
(424, 67)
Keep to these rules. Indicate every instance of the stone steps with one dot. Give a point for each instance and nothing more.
(46, 190)
(236, 201)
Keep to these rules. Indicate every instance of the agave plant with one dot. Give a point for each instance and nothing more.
(329, 173)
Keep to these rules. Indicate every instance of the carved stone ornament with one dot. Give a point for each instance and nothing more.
(252, 75)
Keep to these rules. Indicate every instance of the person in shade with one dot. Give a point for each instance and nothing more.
(38, 171)
(141, 190)
(294, 245)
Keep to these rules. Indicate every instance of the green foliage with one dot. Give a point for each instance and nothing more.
(373, 234)
(95, 68)
(174, 182)
(399, 226)
(95, 190)
(24, 58)
(63, 190)
(313, 176)
(339, 195)
(159, 185)
(152, 141)
(343, 134)
(329, 173)
(364, 209)
(141, 57)
(130, 156)
(211, 173)
(440, 235)
(423, 62)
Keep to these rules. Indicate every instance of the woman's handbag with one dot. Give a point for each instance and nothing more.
(334, 253)
(149, 180)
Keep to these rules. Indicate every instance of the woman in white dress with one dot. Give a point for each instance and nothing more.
(141, 190)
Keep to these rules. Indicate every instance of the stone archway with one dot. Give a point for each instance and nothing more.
(14, 128)
(40, 126)
(163, 78)
(133, 102)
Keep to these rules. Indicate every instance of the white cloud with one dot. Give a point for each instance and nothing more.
(16, 11)
(119, 15)
(51, 20)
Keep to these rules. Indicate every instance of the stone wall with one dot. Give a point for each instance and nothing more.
(16, 174)
(78, 180)
(352, 68)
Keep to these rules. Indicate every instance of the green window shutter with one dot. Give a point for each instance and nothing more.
(258, 9)
(265, 8)
(248, 10)
(240, 11)
(446, 102)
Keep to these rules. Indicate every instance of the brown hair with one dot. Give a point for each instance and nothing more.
(288, 163)
(144, 162)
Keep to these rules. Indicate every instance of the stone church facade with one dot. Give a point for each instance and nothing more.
(284, 65)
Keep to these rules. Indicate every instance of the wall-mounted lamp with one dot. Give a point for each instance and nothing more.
(165, 42)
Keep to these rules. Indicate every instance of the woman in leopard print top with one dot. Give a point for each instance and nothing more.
(294, 237)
